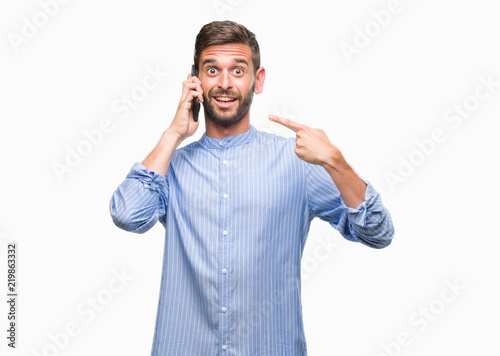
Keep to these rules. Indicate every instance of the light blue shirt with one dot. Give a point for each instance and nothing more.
(237, 213)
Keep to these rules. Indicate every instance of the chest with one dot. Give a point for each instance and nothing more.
(238, 183)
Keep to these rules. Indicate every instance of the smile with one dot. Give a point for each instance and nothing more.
(224, 98)
(224, 101)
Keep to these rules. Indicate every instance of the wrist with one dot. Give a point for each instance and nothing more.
(334, 161)
(171, 135)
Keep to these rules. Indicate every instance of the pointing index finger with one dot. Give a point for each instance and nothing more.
(292, 125)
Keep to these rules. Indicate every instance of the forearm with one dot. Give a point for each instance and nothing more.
(369, 222)
(159, 159)
(350, 185)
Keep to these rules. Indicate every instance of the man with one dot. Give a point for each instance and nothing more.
(236, 206)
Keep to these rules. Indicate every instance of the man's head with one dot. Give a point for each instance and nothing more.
(227, 59)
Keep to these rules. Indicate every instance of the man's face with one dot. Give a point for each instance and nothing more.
(228, 81)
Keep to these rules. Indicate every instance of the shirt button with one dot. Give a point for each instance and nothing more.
(224, 347)
(225, 161)
(224, 309)
(225, 196)
(220, 143)
(224, 233)
(224, 271)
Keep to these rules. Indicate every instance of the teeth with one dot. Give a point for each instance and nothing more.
(224, 99)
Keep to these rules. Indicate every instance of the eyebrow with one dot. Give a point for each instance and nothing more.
(236, 60)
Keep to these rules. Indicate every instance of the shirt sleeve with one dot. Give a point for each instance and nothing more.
(370, 223)
(140, 200)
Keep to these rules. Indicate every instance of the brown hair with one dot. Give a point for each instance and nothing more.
(225, 32)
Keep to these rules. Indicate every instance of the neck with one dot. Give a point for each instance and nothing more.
(222, 131)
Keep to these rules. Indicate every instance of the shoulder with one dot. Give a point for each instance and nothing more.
(278, 149)
(271, 139)
(186, 152)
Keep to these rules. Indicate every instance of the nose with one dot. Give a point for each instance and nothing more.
(225, 80)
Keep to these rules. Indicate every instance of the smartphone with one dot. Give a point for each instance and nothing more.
(196, 101)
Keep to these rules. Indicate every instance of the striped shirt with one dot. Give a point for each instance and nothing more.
(236, 213)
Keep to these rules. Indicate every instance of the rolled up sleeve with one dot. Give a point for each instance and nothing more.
(370, 223)
(140, 200)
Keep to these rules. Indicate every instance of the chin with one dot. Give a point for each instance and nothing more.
(224, 121)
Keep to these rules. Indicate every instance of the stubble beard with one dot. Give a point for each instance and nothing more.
(243, 106)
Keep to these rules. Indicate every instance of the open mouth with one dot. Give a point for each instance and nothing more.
(224, 101)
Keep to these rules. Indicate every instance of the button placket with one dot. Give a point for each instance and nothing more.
(224, 243)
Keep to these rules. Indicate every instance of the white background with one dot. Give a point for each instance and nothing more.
(356, 300)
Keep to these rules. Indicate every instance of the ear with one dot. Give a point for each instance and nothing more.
(260, 77)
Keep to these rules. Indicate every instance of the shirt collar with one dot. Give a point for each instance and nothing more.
(236, 140)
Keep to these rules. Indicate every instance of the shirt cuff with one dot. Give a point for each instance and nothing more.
(151, 180)
(359, 215)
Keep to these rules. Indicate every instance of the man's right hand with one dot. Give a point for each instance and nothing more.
(182, 126)
(183, 123)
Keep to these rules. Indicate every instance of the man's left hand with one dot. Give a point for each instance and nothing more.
(312, 145)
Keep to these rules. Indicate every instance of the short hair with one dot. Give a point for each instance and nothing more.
(226, 32)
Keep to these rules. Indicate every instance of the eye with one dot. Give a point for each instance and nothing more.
(212, 70)
(238, 71)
